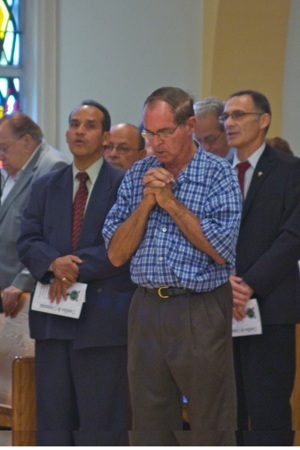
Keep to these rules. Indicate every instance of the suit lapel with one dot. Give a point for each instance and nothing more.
(25, 178)
(261, 172)
(19, 187)
(34, 162)
(61, 195)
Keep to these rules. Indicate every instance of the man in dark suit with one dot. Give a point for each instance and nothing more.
(268, 249)
(80, 363)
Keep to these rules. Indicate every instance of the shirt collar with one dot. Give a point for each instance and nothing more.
(253, 159)
(92, 171)
(191, 170)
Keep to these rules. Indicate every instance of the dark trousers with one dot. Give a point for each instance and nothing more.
(265, 372)
(82, 395)
(182, 346)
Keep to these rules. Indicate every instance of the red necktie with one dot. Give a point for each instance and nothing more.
(242, 168)
(79, 207)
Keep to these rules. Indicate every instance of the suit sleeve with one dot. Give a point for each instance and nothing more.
(96, 265)
(23, 279)
(34, 252)
(275, 264)
(283, 255)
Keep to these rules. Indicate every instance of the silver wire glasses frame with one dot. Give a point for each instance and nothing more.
(165, 133)
(237, 115)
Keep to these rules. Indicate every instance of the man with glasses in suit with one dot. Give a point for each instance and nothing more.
(268, 250)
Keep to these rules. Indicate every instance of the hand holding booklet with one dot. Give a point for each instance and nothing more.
(251, 324)
(71, 307)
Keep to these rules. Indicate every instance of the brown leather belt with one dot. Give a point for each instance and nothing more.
(169, 291)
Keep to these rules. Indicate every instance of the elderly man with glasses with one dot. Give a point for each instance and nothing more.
(25, 156)
(177, 216)
(126, 146)
(209, 130)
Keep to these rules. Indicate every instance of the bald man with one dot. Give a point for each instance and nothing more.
(126, 146)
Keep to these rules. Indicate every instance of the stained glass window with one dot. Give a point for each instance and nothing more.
(10, 55)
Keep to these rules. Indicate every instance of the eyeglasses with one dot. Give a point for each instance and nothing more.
(209, 140)
(165, 133)
(237, 115)
(122, 149)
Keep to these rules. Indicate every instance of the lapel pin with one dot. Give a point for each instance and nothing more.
(259, 174)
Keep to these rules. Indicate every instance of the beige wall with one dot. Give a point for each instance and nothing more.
(118, 51)
(244, 46)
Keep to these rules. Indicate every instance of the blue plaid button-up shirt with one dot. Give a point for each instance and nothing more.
(209, 188)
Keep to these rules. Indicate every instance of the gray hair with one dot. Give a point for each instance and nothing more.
(209, 105)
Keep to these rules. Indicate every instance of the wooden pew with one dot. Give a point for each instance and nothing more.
(16, 370)
(20, 416)
(23, 402)
(5, 416)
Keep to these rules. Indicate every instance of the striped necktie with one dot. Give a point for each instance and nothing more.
(79, 207)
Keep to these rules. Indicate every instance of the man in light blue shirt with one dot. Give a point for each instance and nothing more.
(177, 216)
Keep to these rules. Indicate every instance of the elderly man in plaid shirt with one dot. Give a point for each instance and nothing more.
(177, 216)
